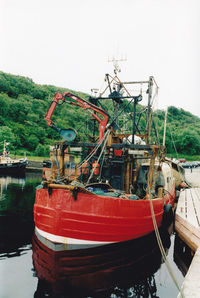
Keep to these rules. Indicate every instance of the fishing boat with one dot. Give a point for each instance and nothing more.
(10, 165)
(115, 187)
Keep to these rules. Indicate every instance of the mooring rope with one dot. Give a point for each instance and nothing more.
(162, 250)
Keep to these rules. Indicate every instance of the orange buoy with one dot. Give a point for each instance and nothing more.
(85, 168)
(95, 167)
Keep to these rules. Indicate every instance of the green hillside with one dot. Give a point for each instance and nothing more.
(183, 131)
(23, 105)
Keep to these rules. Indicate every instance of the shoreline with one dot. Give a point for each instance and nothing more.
(34, 165)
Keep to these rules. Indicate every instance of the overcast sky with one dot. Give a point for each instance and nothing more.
(67, 43)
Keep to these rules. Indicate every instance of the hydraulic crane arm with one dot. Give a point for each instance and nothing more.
(70, 98)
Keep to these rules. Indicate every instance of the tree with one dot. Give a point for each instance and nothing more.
(7, 135)
(23, 105)
(32, 142)
(188, 142)
(42, 150)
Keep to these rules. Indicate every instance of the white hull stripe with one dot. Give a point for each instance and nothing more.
(67, 240)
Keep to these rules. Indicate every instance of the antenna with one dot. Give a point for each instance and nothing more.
(115, 63)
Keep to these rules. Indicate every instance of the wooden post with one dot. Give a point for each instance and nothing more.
(62, 161)
(165, 122)
(151, 169)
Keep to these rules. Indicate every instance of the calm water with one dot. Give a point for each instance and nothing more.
(144, 276)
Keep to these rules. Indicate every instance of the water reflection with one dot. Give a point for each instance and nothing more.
(16, 213)
(6, 180)
(182, 255)
(116, 270)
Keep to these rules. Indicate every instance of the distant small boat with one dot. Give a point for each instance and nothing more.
(10, 165)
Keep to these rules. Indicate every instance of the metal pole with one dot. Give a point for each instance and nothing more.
(107, 76)
(134, 110)
(149, 109)
(135, 82)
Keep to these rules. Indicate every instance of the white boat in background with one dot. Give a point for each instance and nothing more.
(10, 165)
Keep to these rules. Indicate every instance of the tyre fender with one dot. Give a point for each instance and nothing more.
(168, 215)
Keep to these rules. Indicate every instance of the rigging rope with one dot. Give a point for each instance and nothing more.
(91, 154)
(102, 150)
(154, 96)
(173, 142)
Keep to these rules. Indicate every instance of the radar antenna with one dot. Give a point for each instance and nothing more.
(115, 61)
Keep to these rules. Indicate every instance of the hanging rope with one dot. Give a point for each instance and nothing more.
(94, 151)
(91, 154)
(105, 142)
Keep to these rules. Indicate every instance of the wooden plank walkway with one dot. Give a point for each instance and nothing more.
(187, 225)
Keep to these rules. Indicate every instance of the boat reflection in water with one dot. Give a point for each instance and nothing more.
(124, 269)
(182, 255)
(16, 214)
(6, 180)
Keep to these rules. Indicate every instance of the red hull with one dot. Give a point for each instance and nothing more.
(94, 217)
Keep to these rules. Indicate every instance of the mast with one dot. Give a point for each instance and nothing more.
(4, 148)
(136, 100)
(150, 84)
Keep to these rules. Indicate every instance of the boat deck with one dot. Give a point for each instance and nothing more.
(187, 225)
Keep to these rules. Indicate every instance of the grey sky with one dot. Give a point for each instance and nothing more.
(67, 43)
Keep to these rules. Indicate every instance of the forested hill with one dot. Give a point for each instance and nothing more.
(23, 105)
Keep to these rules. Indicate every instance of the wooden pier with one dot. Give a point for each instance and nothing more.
(187, 226)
